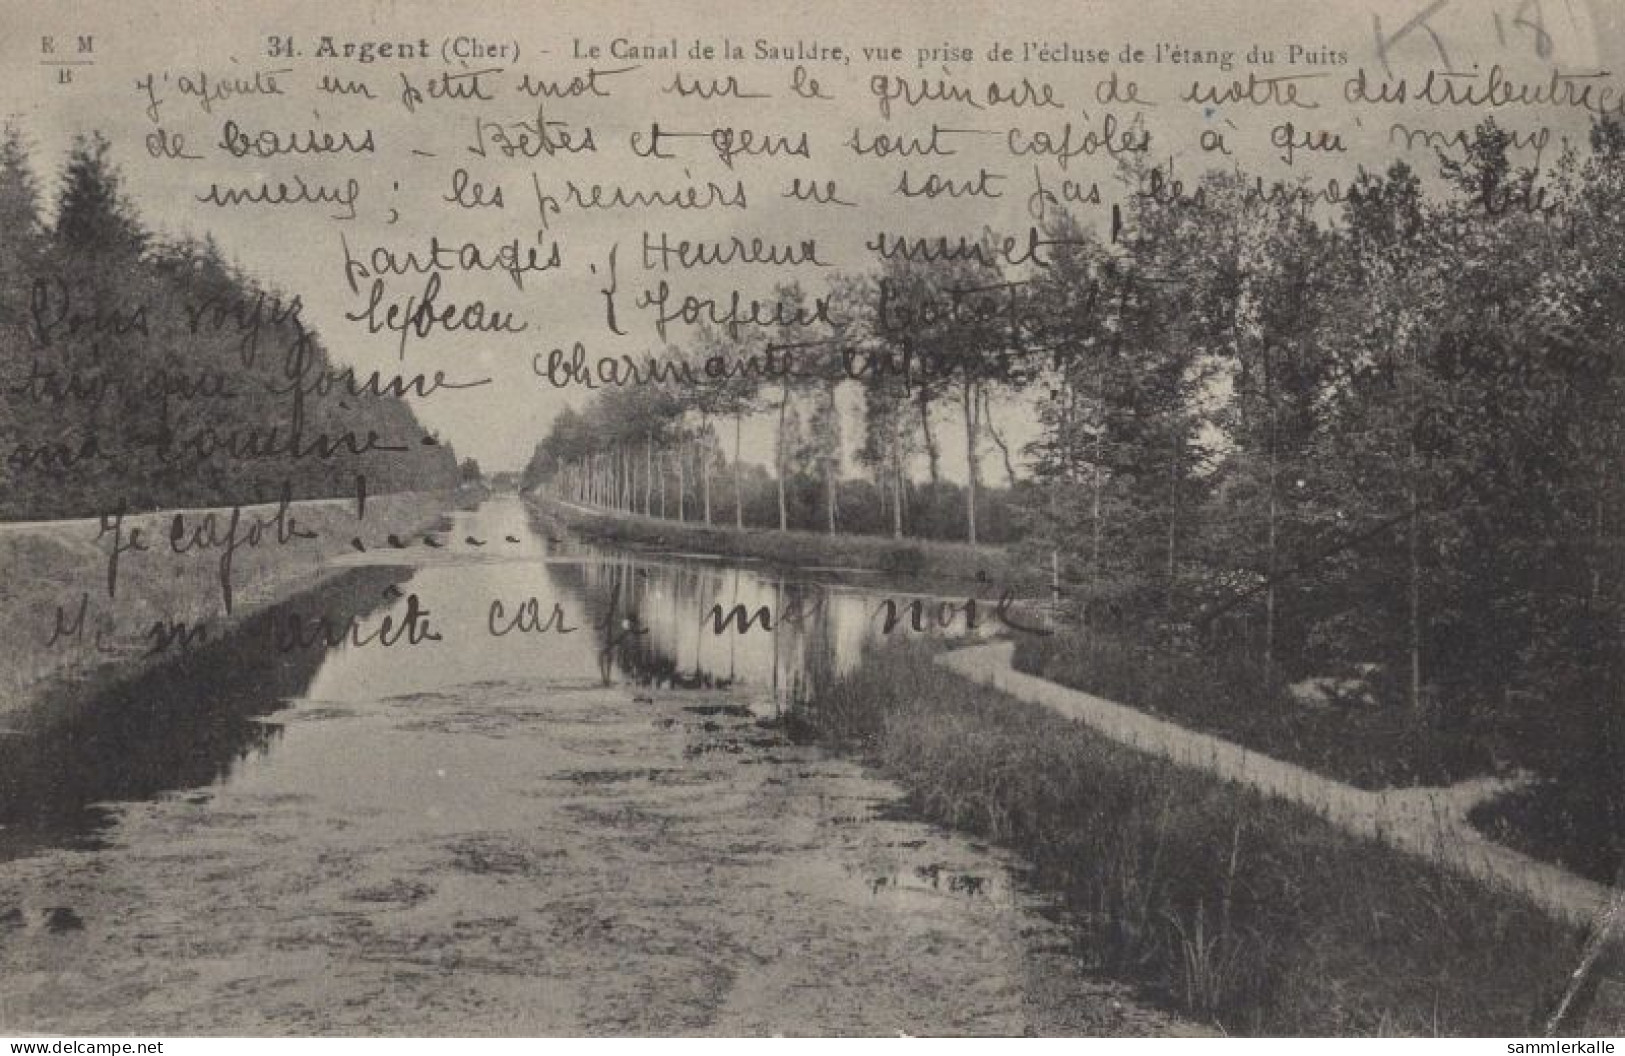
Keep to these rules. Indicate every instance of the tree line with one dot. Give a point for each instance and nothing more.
(152, 373)
(1386, 431)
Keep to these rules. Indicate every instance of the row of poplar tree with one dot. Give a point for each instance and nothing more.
(1386, 428)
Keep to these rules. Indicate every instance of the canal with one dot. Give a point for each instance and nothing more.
(588, 820)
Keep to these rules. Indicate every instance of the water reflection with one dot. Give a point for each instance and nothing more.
(701, 624)
(535, 605)
(599, 617)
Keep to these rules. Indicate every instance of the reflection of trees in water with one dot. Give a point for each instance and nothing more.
(184, 724)
(679, 645)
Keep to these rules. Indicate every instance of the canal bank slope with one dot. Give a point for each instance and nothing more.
(995, 567)
(80, 600)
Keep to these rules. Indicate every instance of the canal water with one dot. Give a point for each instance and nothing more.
(582, 819)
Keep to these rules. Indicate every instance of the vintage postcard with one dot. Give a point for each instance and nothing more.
(770, 519)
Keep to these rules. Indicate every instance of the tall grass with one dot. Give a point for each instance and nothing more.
(993, 567)
(1245, 910)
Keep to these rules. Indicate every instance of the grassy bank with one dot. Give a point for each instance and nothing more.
(993, 567)
(1236, 908)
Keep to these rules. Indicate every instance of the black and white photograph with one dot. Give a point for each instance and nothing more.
(877, 519)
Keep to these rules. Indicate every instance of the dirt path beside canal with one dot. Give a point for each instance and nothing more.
(536, 857)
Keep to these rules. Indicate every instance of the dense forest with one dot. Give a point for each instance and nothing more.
(146, 373)
(1382, 434)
